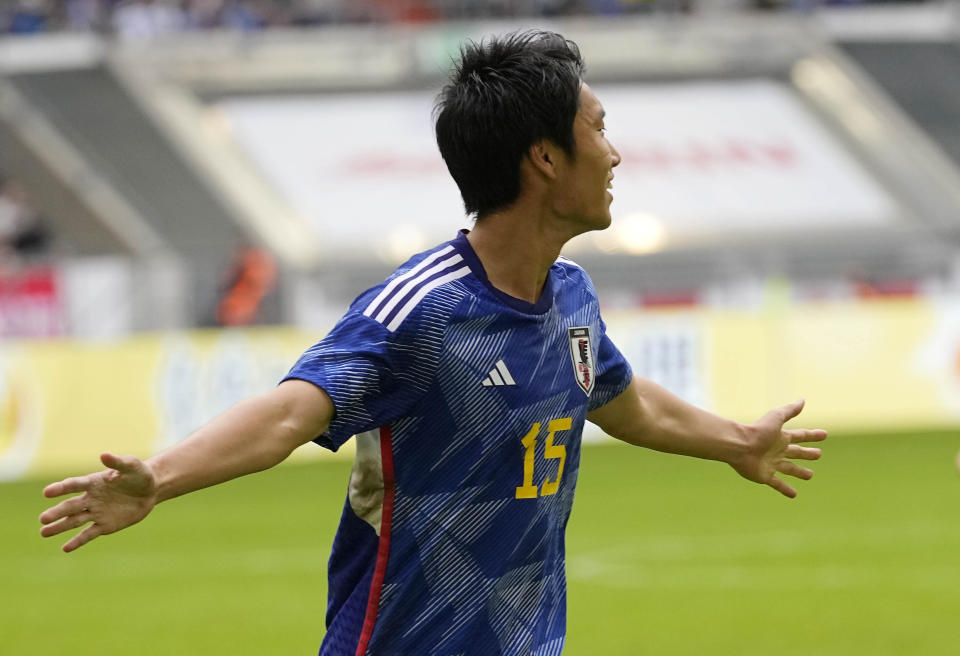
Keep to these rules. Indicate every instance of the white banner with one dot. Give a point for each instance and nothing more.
(700, 159)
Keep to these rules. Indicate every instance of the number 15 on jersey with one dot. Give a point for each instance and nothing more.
(551, 451)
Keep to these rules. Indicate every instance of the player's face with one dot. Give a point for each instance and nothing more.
(583, 190)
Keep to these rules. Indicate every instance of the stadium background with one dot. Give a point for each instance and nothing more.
(191, 193)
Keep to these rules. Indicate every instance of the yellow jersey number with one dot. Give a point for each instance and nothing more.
(551, 451)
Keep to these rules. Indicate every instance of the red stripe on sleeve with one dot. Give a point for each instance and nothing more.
(383, 548)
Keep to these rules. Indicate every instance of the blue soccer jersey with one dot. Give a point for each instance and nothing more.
(468, 406)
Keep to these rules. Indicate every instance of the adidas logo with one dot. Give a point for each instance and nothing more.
(499, 375)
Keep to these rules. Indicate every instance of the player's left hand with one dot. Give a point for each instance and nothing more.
(771, 447)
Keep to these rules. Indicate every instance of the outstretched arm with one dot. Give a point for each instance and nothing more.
(253, 435)
(648, 415)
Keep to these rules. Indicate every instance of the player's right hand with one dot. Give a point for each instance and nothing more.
(112, 499)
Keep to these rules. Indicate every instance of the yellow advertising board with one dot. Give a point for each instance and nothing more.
(877, 365)
(62, 403)
(871, 365)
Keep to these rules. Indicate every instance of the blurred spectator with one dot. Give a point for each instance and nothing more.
(85, 15)
(251, 277)
(30, 16)
(245, 15)
(203, 14)
(146, 20)
(317, 12)
(22, 233)
(406, 11)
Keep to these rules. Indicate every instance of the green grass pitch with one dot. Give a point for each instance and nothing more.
(666, 555)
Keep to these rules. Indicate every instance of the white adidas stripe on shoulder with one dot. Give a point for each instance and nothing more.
(426, 289)
(393, 284)
(407, 290)
(567, 260)
(408, 286)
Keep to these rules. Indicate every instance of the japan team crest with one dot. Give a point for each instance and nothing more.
(581, 352)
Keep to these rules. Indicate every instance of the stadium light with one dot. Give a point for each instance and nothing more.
(637, 233)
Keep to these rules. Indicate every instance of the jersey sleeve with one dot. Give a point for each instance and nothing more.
(372, 375)
(613, 372)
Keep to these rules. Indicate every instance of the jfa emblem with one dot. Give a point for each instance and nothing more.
(581, 352)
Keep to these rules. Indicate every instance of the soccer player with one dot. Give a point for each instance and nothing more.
(466, 378)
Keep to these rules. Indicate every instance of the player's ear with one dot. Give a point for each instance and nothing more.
(543, 156)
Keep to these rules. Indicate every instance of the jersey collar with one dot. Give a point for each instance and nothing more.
(545, 302)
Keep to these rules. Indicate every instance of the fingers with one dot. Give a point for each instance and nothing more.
(782, 487)
(67, 486)
(793, 469)
(804, 435)
(791, 410)
(803, 452)
(63, 509)
(66, 524)
(84, 536)
(122, 464)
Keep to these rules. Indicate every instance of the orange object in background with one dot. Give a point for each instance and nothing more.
(251, 279)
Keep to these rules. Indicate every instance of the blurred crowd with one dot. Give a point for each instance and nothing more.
(136, 19)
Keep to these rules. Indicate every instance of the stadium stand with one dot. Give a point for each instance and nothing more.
(921, 77)
(137, 147)
(146, 19)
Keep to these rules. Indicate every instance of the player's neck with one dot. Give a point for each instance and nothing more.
(516, 252)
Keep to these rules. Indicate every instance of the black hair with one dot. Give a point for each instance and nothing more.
(505, 94)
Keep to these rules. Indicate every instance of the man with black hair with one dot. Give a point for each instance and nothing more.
(466, 378)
